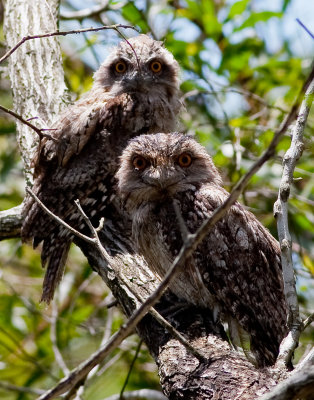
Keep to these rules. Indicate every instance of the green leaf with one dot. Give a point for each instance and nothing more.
(254, 18)
(209, 18)
(238, 8)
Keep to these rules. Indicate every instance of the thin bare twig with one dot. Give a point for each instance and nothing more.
(130, 369)
(76, 391)
(136, 57)
(176, 334)
(243, 92)
(59, 220)
(305, 28)
(25, 122)
(53, 338)
(64, 33)
(308, 321)
(20, 389)
(281, 213)
(110, 363)
(183, 228)
(94, 231)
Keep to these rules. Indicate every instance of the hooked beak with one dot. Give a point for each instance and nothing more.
(162, 179)
(137, 80)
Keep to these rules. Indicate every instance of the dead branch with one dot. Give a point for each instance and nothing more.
(281, 214)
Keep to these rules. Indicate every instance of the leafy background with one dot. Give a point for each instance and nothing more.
(243, 62)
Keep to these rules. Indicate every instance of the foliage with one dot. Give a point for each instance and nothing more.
(237, 89)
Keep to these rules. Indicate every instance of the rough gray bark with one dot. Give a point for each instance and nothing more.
(35, 69)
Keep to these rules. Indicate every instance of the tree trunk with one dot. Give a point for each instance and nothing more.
(35, 69)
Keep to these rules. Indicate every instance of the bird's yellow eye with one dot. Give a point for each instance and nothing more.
(184, 160)
(139, 163)
(120, 67)
(155, 66)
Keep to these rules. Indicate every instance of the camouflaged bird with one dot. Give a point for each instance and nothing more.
(236, 271)
(135, 91)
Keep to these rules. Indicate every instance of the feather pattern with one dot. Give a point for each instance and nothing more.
(236, 269)
(81, 157)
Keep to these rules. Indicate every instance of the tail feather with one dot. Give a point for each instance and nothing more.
(54, 253)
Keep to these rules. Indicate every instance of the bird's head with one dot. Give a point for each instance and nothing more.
(155, 167)
(140, 65)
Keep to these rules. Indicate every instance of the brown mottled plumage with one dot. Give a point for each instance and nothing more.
(236, 270)
(135, 91)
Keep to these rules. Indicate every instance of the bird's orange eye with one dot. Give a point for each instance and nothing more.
(139, 163)
(184, 160)
(155, 66)
(120, 67)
